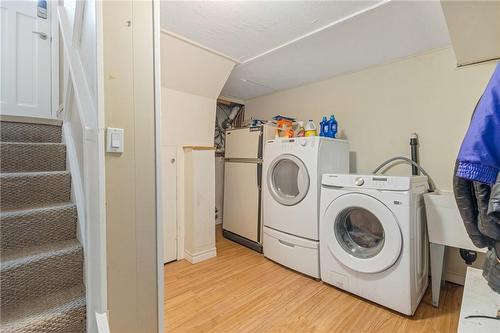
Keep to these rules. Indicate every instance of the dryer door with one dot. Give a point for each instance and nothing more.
(288, 179)
(362, 233)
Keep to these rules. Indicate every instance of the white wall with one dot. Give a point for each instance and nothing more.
(192, 79)
(88, 45)
(129, 103)
(87, 48)
(199, 201)
(191, 120)
(379, 107)
(187, 120)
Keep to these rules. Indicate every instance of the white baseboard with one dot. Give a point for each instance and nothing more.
(200, 256)
(102, 322)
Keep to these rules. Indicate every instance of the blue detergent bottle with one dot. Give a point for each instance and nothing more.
(332, 127)
(323, 127)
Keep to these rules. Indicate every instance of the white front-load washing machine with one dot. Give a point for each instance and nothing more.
(373, 239)
(292, 170)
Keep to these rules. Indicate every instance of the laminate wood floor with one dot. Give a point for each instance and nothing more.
(241, 291)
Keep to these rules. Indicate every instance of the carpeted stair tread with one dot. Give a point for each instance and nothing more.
(14, 258)
(41, 270)
(41, 266)
(32, 157)
(34, 189)
(63, 311)
(28, 132)
(33, 227)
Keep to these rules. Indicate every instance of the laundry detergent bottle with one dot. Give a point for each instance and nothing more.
(311, 128)
(332, 127)
(323, 127)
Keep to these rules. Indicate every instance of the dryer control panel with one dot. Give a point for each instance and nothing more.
(289, 143)
(378, 182)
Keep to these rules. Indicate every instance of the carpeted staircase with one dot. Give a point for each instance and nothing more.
(41, 270)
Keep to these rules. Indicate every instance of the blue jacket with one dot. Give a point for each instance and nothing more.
(479, 156)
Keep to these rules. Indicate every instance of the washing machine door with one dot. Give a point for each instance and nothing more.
(362, 233)
(288, 179)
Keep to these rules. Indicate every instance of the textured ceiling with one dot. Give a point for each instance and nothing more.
(285, 44)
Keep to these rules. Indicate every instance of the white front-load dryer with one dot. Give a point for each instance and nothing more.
(373, 239)
(292, 170)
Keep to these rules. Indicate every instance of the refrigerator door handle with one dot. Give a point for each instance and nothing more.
(259, 176)
(261, 143)
(259, 210)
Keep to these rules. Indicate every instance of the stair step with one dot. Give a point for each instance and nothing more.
(34, 227)
(32, 157)
(61, 312)
(13, 131)
(34, 189)
(39, 271)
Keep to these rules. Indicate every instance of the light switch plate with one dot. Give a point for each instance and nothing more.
(114, 140)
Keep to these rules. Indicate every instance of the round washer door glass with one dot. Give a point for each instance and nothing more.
(288, 180)
(362, 233)
(359, 232)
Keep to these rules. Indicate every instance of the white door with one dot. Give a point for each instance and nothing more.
(242, 199)
(169, 190)
(25, 59)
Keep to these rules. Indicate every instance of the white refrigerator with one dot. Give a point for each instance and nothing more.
(242, 215)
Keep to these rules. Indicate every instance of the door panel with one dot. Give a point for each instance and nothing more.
(25, 60)
(169, 190)
(241, 200)
(242, 143)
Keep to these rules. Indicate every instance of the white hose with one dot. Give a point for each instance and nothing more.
(432, 187)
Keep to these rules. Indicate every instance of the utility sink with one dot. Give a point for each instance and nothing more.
(444, 222)
(445, 228)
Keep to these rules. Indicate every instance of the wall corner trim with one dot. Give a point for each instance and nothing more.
(200, 256)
